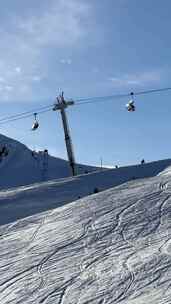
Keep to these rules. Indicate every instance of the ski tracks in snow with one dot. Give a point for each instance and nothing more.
(23, 251)
(113, 255)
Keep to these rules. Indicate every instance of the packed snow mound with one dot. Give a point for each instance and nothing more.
(111, 247)
(21, 166)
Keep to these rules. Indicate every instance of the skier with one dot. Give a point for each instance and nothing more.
(130, 106)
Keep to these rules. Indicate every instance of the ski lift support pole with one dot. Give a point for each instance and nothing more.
(61, 106)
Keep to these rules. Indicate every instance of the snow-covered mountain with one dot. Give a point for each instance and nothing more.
(111, 247)
(60, 244)
(21, 166)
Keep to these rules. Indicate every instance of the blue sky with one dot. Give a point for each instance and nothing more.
(88, 48)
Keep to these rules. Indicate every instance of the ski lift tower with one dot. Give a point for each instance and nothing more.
(61, 106)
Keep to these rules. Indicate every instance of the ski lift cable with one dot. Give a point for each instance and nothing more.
(152, 91)
(23, 117)
(80, 101)
(117, 96)
(25, 114)
(99, 98)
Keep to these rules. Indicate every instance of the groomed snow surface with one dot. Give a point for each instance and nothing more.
(110, 247)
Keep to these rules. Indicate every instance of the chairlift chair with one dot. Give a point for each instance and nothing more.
(130, 105)
(35, 124)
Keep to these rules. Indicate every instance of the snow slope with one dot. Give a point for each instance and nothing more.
(20, 167)
(111, 247)
(16, 203)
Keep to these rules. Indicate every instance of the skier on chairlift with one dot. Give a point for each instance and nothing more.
(35, 124)
(130, 105)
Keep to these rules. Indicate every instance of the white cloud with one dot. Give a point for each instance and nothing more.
(58, 26)
(139, 79)
(8, 88)
(37, 78)
(66, 61)
(18, 70)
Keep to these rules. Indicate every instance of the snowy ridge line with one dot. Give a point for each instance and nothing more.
(26, 169)
(23, 166)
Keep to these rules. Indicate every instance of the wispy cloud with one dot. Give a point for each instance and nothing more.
(66, 61)
(137, 80)
(18, 69)
(61, 25)
(32, 35)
